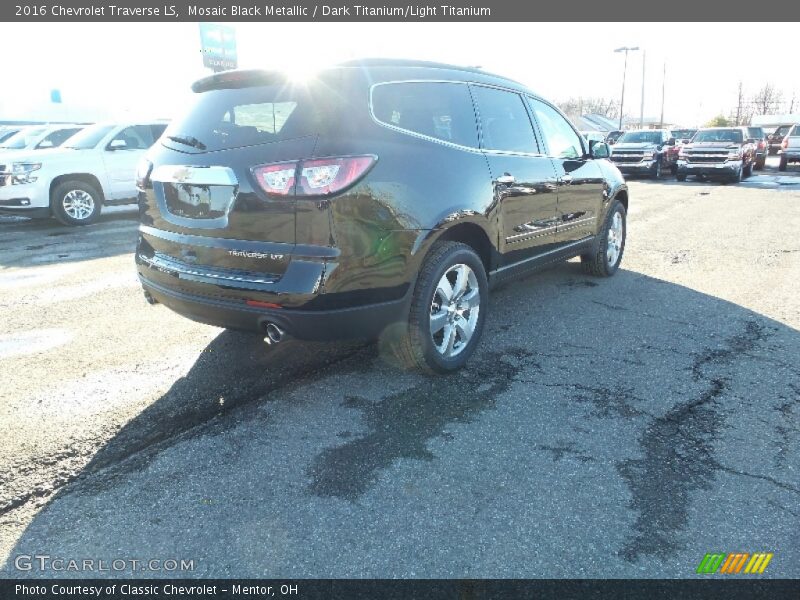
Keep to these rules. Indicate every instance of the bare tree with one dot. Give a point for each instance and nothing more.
(767, 100)
(584, 105)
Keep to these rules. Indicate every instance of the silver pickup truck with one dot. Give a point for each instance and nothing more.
(790, 148)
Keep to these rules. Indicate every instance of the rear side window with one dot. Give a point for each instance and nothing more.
(436, 109)
(221, 119)
(505, 123)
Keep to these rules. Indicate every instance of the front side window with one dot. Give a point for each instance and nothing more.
(505, 123)
(561, 138)
(136, 137)
(158, 130)
(439, 110)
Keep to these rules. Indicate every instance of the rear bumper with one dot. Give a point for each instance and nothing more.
(360, 322)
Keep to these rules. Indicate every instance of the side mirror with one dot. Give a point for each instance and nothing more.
(117, 145)
(45, 144)
(599, 150)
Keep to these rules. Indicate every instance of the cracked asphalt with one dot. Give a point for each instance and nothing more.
(605, 428)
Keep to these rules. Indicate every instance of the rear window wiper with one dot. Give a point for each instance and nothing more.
(187, 140)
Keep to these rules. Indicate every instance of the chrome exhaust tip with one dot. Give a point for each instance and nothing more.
(274, 334)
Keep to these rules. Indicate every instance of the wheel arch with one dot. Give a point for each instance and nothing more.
(621, 194)
(83, 177)
(466, 232)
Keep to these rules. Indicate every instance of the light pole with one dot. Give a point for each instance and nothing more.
(641, 114)
(624, 49)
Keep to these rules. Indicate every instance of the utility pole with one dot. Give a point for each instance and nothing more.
(663, 89)
(641, 114)
(624, 49)
(739, 106)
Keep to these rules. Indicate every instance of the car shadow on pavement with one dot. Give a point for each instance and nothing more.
(30, 243)
(598, 416)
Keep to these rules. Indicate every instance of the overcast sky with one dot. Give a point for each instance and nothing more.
(146, 69)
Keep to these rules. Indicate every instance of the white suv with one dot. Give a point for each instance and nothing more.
(94, 167)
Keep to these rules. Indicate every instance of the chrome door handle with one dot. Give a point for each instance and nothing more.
(506, 178)
(567, 179)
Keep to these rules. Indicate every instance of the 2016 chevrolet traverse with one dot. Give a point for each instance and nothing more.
(379, 197)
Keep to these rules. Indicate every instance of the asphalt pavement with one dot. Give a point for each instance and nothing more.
(618, 427)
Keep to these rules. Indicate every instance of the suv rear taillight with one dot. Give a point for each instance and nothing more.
(277, 179)
(314, 177)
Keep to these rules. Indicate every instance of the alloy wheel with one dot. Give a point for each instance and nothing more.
(615, 236)
(454, 310)
(78, 204)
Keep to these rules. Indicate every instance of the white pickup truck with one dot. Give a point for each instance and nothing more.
(94, 167)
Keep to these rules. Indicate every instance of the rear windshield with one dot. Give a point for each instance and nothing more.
(719, 135)
(233, 118)
(23, 138)
(638, 137)
(783, 129)
(755, 132)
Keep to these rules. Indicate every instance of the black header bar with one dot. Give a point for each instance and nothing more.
(712, 588)
(388, 10)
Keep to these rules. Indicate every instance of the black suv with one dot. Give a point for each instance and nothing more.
(376, 199)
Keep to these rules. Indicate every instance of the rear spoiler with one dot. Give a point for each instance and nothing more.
(239, 79)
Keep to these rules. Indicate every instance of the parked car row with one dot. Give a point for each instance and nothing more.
(728, 153)
(39, 137)
(70, 172)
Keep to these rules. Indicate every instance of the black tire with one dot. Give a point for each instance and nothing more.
(413, 346)
(782, 165)
(747, 171)
(760, 164)
(737, 177)
(681, 176)
(673, 169)
(60, 195)
(597, 262)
